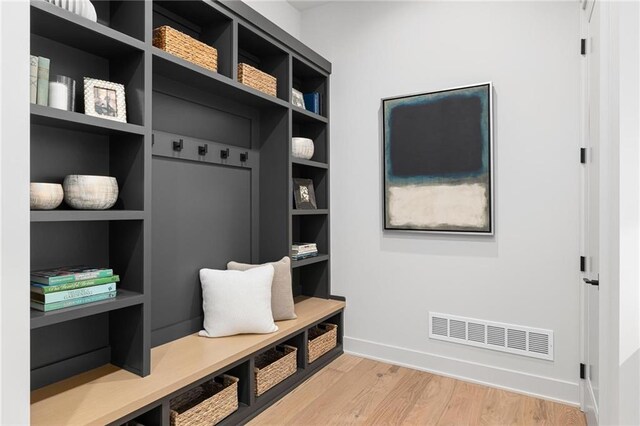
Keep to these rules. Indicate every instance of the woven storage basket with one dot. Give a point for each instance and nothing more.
(206, 404)
(188, 48)
(257, 79)
(322, 338)
(273, 366)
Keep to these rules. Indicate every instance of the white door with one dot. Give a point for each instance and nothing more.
(590, 284)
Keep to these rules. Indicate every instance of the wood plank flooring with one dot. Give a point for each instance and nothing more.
(357, 391)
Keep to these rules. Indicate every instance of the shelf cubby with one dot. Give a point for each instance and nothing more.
(311, 229)
(319, 178)
(123, 65)
(312, 279)
(317, 132)
(58, 152)
(201, 21)
(307, 79)
(119, 28)
(260, 53)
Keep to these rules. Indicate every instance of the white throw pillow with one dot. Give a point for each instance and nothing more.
(237, 302)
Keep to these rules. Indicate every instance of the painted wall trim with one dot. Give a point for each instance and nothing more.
(529, 384)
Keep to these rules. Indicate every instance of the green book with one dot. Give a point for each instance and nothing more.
(47, 289)
(43, 81)
(69, 274)
(33, 79)
(72, 302)
(61, 296)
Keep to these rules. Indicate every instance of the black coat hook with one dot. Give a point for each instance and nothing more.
(244, 156)
(224, 153)
(177, 145)
(203, 149)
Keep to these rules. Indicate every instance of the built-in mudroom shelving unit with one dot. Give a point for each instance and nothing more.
(205, 172)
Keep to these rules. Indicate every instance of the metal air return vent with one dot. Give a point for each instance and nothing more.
(515, 339)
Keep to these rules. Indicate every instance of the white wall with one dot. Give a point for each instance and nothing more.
(280, 13)
(526, 275)
(620, 214)
(14, 212)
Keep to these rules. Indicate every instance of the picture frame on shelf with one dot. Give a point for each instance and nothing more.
(105, 99)
(304, 194)
(297, 98)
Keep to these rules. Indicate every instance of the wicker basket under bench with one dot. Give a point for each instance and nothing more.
(322, 338)
(206, 404)
(273, 366)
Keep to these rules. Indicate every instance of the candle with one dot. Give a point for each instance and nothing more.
(58, 95)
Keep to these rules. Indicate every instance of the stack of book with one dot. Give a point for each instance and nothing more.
(303, 250)
(312, 102)
(64, 287)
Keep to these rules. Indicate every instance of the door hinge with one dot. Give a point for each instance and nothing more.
(583, 263)
(583, 46)
(583, 371)
(583, 155)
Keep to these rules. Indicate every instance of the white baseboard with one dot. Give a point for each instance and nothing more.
(511, 380)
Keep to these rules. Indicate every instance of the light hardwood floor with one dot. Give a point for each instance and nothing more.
(357, 391)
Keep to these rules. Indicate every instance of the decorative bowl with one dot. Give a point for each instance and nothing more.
(45, 196)
(87, 192)
(83, 8)
(302, 148)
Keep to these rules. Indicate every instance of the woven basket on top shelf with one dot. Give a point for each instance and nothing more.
(273, 366)
(206, 404)
(183, 46)
(322, 338)
(257, 79)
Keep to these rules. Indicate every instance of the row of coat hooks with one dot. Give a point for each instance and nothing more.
(204, 150)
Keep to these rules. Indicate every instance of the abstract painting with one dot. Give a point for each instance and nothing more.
(438, 168)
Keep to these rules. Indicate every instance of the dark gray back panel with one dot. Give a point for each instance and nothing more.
(201, 219)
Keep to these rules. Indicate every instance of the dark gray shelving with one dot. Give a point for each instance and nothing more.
(85, 215)
(309, 163)
(300, 212)
(310, 261)
(234, 208)
(304, 115)
(53, 22)
(194, 76)
(53, 117)
(122, 300)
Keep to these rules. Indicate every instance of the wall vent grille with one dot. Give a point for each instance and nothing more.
(515, 339)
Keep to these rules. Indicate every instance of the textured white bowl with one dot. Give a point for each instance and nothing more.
(302, 148)
(86, 192)
(45, 196)
(83, 8)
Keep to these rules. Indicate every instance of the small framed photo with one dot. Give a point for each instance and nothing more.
(304, 195)
(104, 99)
(297, 98)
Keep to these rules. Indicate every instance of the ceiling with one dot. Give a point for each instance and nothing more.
(303, 5)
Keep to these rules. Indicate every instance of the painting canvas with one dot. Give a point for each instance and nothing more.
(438, 161)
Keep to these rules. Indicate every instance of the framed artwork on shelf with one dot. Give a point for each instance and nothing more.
(297, 98)
(438, 161)
(304, 194)
(104, 99)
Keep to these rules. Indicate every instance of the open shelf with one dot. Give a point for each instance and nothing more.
(123, 299)
(52, 117)
(53, 22)
(309, 163)
(199, 78)
(201, 21)
(300, 114)
(81, 399)
(308, 79)
(84, 215)
(310, 260)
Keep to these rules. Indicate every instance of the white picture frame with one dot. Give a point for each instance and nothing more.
(297, 98)
(105, 99)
